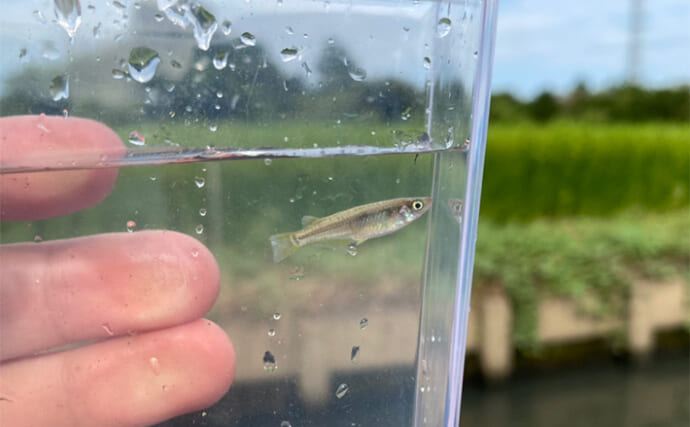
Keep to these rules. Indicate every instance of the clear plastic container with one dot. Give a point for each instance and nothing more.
(239, 119)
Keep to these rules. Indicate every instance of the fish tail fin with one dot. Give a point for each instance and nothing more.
(283, 246)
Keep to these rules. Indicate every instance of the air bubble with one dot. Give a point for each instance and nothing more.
(289, 30)
(271, 332)
(268, 162)
(427, 62)
(276, 316)
(136, 138)
(285, 424)
(341, 390)
(131, 226)
(352, 249)
(363, 323)
(199, 229)
(202, 212)
(200, 181)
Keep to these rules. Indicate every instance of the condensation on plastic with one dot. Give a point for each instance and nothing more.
(450, 256)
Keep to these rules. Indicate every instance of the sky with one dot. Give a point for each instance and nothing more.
(553, 45)
(540, 44)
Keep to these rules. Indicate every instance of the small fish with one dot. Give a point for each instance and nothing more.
(354, 225)
(455, 208)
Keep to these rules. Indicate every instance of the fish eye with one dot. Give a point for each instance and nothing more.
(417, 205)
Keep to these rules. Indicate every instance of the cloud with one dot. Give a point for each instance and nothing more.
(551, 45)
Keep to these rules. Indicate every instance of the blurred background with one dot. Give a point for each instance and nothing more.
(581, 294)
(581, 298)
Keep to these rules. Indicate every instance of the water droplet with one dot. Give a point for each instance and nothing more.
(465, 145)
(200, 181)
(363, 323)
(136, 138)
(248, 39)
(213, 127)
(289, 54)
(65, 113)
(475, 53)
(164, 387)
(204, 24)
(68, 15)
(271, 332)
(155, 365)
(270, 364)
(331, 41)
(38, 238)
(59, 87)
(97, 31)
(341, 390)
(357, 74)
(50, 51)
(39, 16)
(159, 17)
(202, 64)
(202, 212)
(131, 226)
(285, 424)
(175, 64)
(268, 162)
(106, 328)
(220, 60)
(199, 229)
(276, 316)
(226, 27)
(306, 68)
(352, 249)
(22, 52)
(427, 62)
(143, 63)
(354, 353)
(443, 27)
(289, 30)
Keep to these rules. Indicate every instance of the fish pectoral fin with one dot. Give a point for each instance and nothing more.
(308, 219)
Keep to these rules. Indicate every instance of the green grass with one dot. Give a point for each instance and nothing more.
(567, 168)
(590, 260)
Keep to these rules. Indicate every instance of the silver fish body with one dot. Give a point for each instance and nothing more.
(355, 225)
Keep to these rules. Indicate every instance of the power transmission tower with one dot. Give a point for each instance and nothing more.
(634, 54)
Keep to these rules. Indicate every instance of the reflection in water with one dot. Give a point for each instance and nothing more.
(653, 395)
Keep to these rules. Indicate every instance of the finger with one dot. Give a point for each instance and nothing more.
(66, 291)
(126, 381)
(49, 141)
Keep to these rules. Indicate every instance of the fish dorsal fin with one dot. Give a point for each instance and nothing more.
(308, 220)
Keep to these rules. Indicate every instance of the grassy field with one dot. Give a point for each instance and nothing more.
(567, 209)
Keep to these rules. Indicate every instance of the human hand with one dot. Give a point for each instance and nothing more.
(132, 301)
